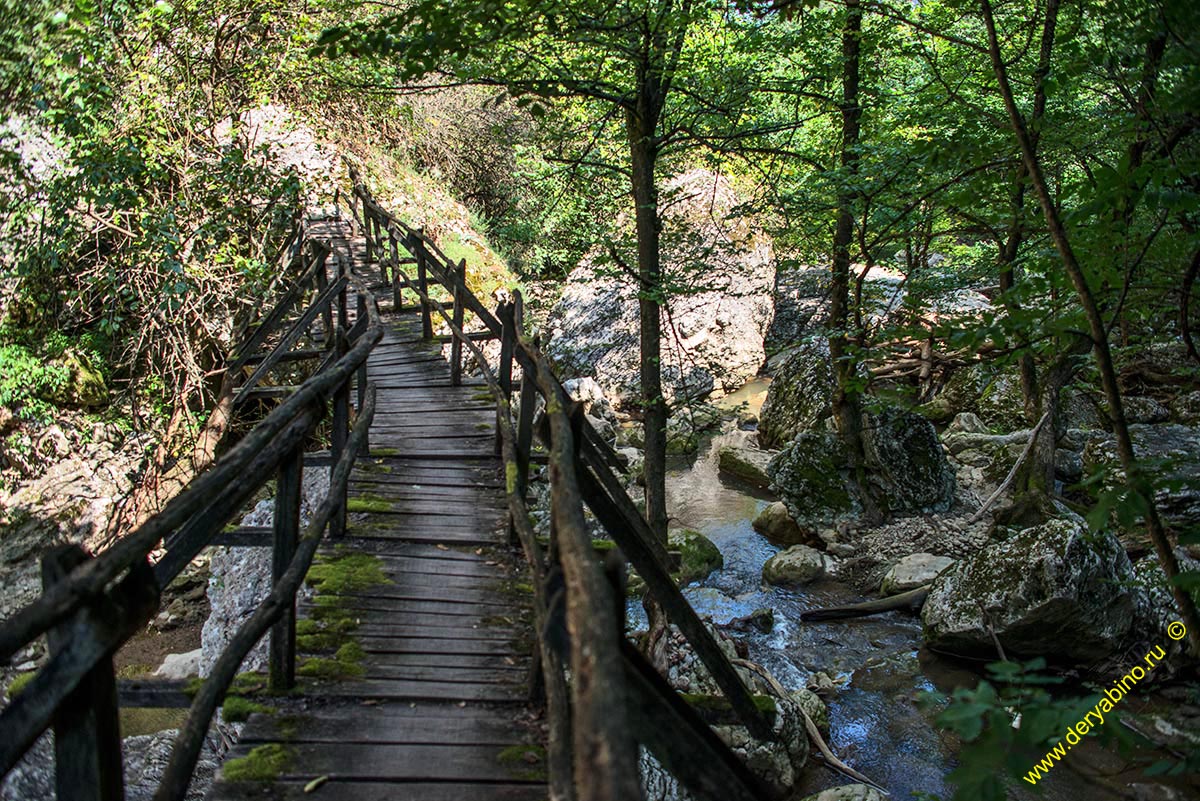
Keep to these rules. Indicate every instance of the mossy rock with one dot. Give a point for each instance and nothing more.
(799, 564)
(745, 464)
(810, 478)
(84, 385)
(799, 396)
(699, 557)
(907, 459)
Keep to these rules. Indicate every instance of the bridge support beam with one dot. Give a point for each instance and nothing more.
(282, 666)
(87, 736)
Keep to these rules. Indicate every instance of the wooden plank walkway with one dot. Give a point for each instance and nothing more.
(437, 710)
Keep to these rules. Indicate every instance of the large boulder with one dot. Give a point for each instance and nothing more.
(799, 395)
(810, 478)
(1001, 403)
(907, 460)
(713, 339)
(698, 555)
(1053, 590)
(799, 564)
(84, 385)
(745, 464)
(1175, 449)
(774, 523)
(913, 571)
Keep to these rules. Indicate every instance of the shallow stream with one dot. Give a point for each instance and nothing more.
(876, 724)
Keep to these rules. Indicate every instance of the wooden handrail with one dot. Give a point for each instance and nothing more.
(90, 579)
(92, 606)
(178, 775)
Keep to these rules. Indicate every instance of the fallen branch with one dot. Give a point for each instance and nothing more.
(813, 734)
(1033, 435)
(911, 600)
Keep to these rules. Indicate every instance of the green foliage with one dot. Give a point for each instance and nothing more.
(27, 381)
(993, 747)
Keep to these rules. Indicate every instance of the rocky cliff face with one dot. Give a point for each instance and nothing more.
(720, 268)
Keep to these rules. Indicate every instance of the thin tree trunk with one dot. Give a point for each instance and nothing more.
(846, 401)
(1136, 481)
(644, 155)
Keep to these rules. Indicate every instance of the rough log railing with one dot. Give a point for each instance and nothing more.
(603, 699)
(91, 606)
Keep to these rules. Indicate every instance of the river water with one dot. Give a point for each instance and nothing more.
(876, 723)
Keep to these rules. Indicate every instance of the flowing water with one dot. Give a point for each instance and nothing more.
(876, 723)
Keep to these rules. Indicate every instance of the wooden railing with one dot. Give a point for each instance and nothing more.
(91, 606)
(603, 699)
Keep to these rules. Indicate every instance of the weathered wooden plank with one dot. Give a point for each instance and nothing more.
(385, 725)
(441, 645)
(397, 567)
(492, 604)
(380, 634)
(424, 691)
(445, 674)
(427, 535)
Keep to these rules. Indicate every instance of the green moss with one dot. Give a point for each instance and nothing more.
(346, 663)
(346, 572)
(510, 477)
(135, 671)
(385, 451)
(719, 703)
(248, 683)
(483, 426)
(237, 709)
(20, 683)
(319, 667)
(263, 764)
(368, 503)
(524, 762)
(321, 641)
(698, 555)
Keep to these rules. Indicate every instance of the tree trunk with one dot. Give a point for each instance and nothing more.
(1135, 479)
(846, 401)
(641, 125)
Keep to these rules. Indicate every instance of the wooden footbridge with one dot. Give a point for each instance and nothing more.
(443, 651)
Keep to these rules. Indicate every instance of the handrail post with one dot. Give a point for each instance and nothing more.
(397, 298)
(341, 426)
(289, 480)
(344, 270)
(361, 380)
(87, 737)
(508, 336)
(383, 274)
(459, 279)
(322, 285)
(418, 250)
(525, 430)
